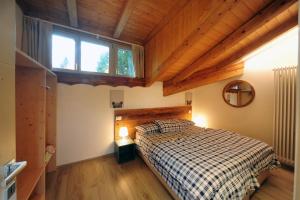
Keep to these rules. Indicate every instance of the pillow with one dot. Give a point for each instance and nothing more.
(147, 128)
(173, 125)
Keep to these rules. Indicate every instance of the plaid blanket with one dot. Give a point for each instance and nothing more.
(202, 163)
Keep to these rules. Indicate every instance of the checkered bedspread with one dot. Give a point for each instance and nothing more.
(207, 163)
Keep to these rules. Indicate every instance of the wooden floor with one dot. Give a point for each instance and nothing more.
(104, 179)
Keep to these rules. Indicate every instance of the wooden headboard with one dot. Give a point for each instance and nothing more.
(134, 117)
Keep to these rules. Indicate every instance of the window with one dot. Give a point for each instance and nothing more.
(125, 65)
(63, 52)
(83, 53)
(94, 57)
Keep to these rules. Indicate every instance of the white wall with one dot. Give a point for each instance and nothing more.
(85, 119)
(255, 120)
(7, 83)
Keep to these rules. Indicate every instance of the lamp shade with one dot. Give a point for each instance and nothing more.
(123, 132)
(201, 121)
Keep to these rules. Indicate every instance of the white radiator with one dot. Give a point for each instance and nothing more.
(285, 114)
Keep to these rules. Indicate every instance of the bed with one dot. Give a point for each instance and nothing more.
(199, 163)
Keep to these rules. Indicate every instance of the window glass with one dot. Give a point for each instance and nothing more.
(63, 52)
(94, 57)
(125, 65)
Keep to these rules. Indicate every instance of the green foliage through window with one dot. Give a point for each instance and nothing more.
(103, 63)
(125, 65)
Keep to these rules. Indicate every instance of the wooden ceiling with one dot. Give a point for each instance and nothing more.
(140, 17)
(212, 38)
(188, 43)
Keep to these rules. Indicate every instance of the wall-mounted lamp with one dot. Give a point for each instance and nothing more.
(123, 132)
(188, 98)
(200, 121)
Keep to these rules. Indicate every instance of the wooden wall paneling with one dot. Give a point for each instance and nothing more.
(51, 96)
(203, 77)
(134, 117)
(268, 13)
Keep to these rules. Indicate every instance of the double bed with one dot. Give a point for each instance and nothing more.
(199, 163)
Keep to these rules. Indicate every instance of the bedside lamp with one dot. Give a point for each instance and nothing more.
(123, 132)
(201, 121)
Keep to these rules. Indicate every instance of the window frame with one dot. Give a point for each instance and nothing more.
(81, 37)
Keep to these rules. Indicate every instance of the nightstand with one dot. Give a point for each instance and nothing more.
(124, 150)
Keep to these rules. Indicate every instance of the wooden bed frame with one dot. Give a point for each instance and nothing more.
(134, 117)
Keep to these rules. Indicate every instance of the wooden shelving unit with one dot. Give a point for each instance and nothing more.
(28, 181)
(35, 124)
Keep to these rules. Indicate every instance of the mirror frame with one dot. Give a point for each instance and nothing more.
(236, 82)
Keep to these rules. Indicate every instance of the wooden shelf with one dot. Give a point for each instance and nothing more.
(35, 124)
(27, 181)
(238, 90)
(24, 60)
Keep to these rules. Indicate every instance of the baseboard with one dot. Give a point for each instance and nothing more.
(84, 160)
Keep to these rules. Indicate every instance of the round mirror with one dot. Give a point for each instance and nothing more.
(238, 93)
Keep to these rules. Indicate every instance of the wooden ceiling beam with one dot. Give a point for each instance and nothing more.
(180, 4)
(265, 15)
(226, 68)
(72, 12)
(203, 77)
(267, 37)
(212, 18)
(128, 8)
(73, 78)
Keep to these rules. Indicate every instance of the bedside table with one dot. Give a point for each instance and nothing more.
(124, 150)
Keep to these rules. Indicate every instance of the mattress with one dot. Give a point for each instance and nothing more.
(200, 163)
